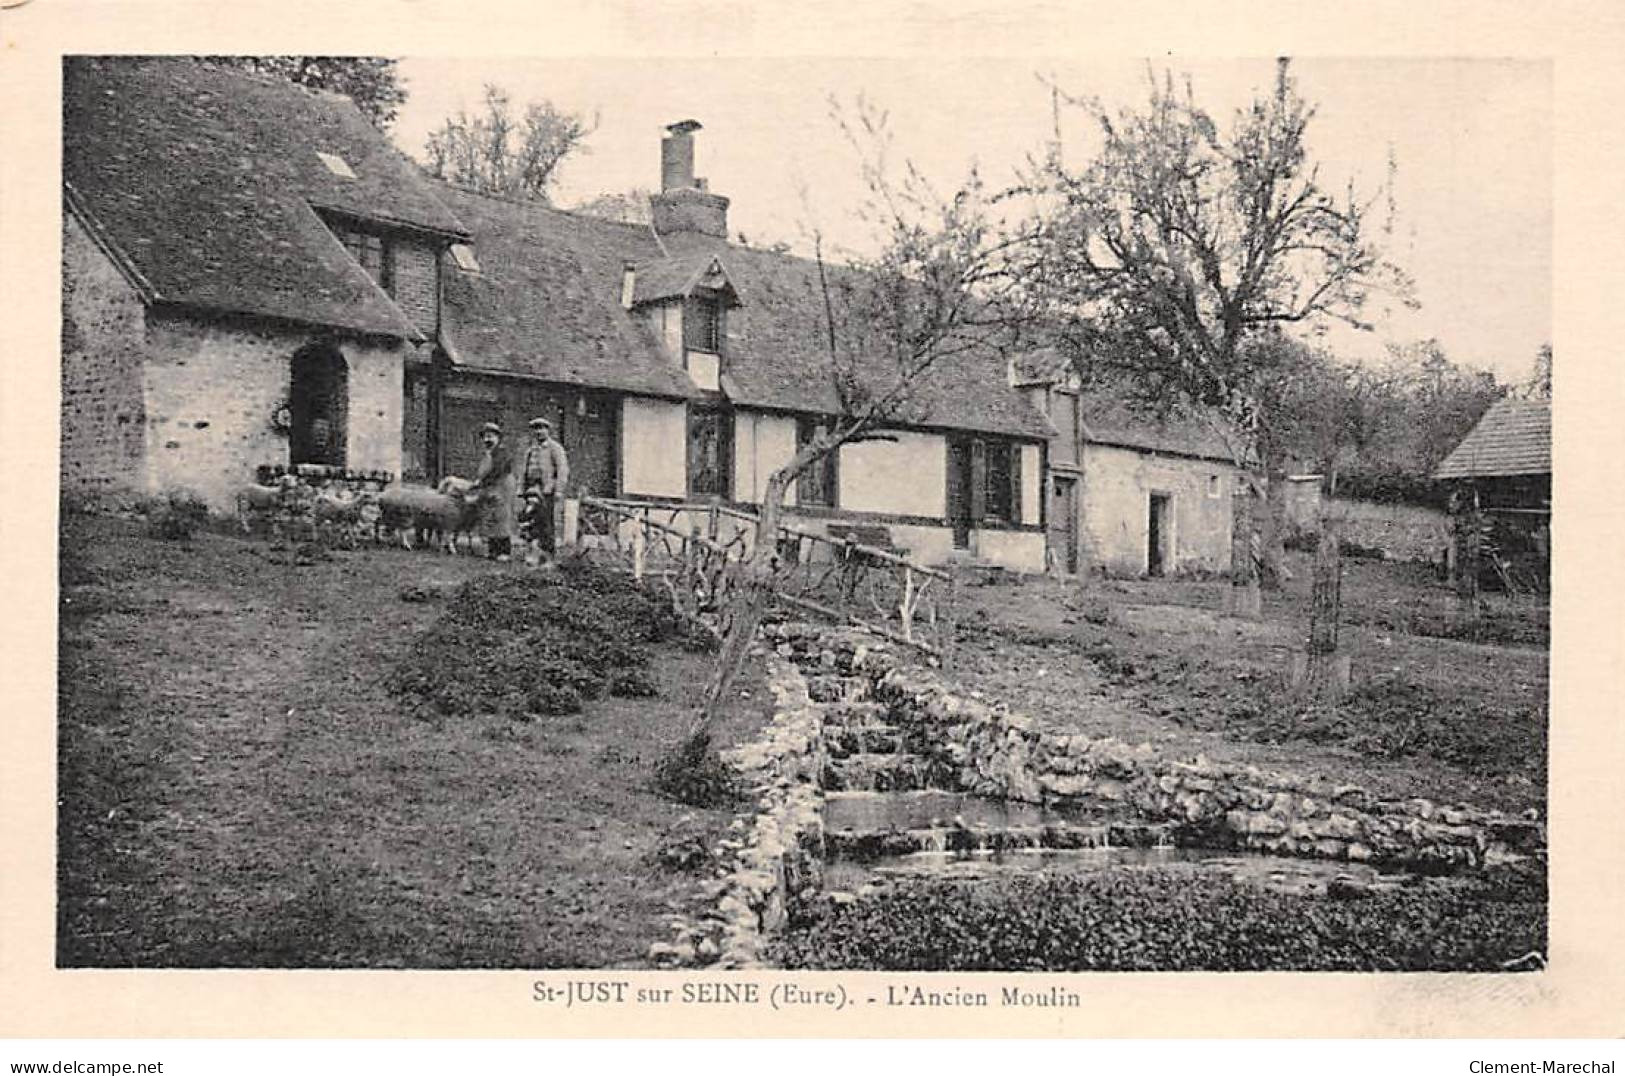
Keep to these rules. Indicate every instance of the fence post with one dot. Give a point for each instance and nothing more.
(906, 611)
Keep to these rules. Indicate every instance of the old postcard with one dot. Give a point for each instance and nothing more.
(738, 524)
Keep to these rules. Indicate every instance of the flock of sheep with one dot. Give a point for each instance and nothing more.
(337, 514)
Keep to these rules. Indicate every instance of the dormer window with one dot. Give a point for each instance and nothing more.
(702, 324)
(372, 252)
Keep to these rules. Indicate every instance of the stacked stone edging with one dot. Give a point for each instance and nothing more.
(1002, 754)
(779, 851)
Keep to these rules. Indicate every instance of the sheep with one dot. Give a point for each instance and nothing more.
(342, 511)
(407, 510)
(264, 502)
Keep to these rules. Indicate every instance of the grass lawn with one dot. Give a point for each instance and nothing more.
(1156, 660)
(240, 788)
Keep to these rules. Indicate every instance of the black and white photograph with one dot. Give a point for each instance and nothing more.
(825, 515)
(735, 523)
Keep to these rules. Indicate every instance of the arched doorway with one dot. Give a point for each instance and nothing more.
(318, 402)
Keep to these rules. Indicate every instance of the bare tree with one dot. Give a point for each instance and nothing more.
(1539, 384)
(498, 152)
(943, 288)
(630, 207)
(1179, 254)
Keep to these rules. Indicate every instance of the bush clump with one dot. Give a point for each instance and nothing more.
(178, 516)
(1169, 920)
(536, 644)
(694, 774)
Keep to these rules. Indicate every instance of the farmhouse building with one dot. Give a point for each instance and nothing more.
(247, 266)
(253, 275)
(1504, 466)
(1128, 492)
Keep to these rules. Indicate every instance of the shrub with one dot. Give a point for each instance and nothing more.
(1169, 920)
(696, 775)
(534, 644)
(178, 516)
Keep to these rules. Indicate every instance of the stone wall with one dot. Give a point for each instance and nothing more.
(777, 855)
(1115, 508)
(103, 345)
(212, 388)
(1403, 531)
(1150, 798)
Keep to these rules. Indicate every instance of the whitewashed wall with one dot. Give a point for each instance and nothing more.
(907, 476)
(1117, 486)
(762, 444)
(654, 447)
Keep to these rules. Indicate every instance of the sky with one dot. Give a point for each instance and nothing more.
(1471, 140)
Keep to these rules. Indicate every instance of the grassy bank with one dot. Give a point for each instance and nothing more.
(246, 781)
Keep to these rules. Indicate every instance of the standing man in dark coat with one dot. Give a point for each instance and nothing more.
(494, 486)
(546, 472)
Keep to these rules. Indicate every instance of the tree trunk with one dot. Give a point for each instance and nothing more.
(1322, 674)
(752, 593)
(1468, 523)
(1245, 599)
(1272, 527)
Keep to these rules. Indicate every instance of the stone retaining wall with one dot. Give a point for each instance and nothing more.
(778, 853)
(1002, 754)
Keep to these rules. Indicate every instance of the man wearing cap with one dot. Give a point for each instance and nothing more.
(494, 486)
(546, 472)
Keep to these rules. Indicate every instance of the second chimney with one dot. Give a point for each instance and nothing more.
(677, 156)
(684, 204)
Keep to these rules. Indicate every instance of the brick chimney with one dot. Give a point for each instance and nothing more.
(684, 204)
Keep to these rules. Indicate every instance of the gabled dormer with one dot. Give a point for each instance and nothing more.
(685, 301)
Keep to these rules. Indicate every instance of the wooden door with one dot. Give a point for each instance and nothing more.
(1157, 535)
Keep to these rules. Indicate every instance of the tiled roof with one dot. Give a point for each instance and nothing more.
(547, 304)
(671, 277)
(207, 182)
(1111, 415)
(546, 300)
(1514, 437)
(778, 358)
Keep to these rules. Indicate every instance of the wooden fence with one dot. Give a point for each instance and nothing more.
(693, 548)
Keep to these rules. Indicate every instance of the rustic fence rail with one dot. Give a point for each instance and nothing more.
(693, 548)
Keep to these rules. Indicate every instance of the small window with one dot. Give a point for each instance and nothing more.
(1001, 489)
(336, 164)
(702, 325)
(373, 254)
(463, 255)
(1214, 486)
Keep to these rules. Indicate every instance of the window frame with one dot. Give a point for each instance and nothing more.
(723, 418)
(703, 334)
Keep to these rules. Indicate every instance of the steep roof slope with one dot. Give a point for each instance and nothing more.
(207, 181)
(778, 357)
(546, 300)
(546, 303)
(1110, 416)
(1513, 438)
